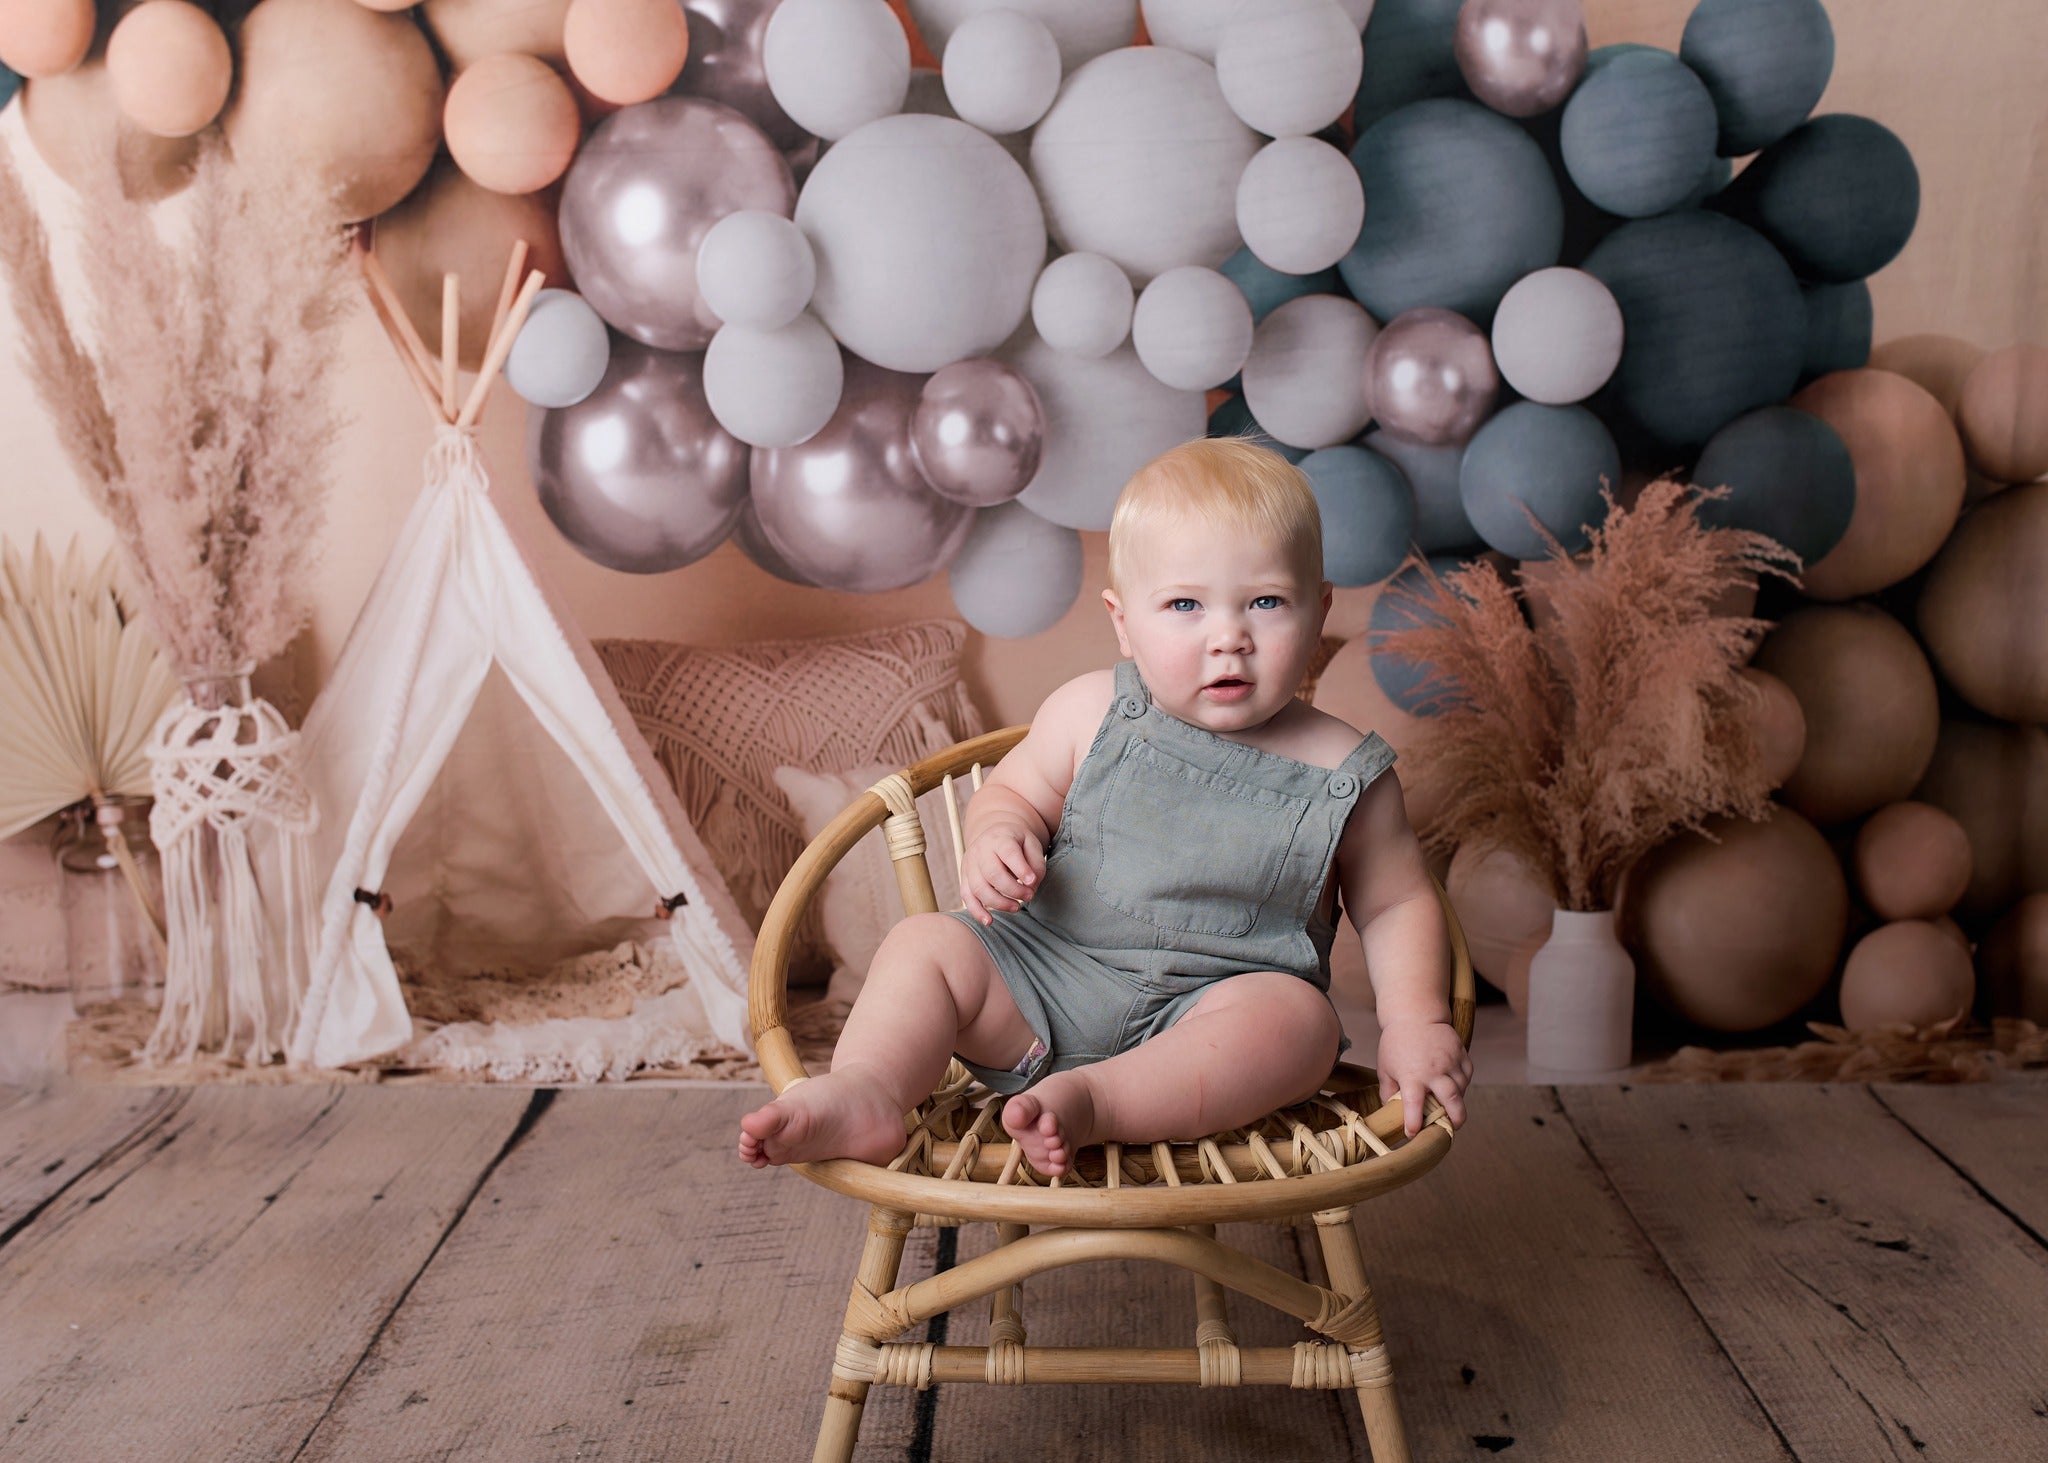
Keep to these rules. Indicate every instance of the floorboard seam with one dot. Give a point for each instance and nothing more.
(1964, 1174)
(539, 1103)
(119, 1149)
(1607, 1182)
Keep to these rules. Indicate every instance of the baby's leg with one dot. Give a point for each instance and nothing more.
(1251, 1044)
(931, 991)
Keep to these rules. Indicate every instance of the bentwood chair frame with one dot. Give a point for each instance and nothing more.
(1159, 1201)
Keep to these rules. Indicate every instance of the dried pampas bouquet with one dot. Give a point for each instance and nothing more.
(201, 428)
(1581, 745)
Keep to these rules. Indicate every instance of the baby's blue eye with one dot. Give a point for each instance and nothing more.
(1267, 601)
(1182, 603)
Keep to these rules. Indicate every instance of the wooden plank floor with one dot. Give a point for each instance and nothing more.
(1751, 1271)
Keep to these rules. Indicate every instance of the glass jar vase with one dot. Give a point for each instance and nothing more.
(112, 945)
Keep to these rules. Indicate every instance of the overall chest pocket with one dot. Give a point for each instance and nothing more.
(1188, 851)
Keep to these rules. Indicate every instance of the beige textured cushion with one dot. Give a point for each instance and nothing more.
(722, 719)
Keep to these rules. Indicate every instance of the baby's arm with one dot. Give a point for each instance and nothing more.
(1393, 902)
(1012, 816)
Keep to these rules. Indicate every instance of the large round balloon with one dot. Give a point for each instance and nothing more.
(1082, 304)
(836, 65)
(1713, 320)
(1459, 205)
(849, 509)
(1139, 159)
(1838, 196)
(1410, 55)
(1192, 328)
(1016, 574)
(1368, 513)
(1548, 460)
(1266, 289)
(1839, 320)
(1638, 134)
(1557, 336)
(2001, 409)
(645, 188)
(978, 432)
(1790, 476)
(1441, 524)
(929, 240)
(1289, 67)
(561, 353)
(1105, 417)
(638, 475)
(1765, 62)
(1305, 377)
(1984, 608)
(1521, 57)
(1430, 376)
(725, 64)
(774, 388)
(1300, 204)
(1993, 779)
(1083, 29)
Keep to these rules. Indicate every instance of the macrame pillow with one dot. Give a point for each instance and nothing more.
(721, 719)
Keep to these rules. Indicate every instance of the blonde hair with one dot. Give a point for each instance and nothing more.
(1226, 480)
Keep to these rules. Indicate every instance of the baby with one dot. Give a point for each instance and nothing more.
(1151, 875)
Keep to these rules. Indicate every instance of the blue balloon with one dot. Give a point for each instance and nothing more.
(1440, 523)
(1232, 418)
(1719, 171)
(1789, 475)
(1552, 459)
(1838, 328)
(1402, 679)
(1600, 55)
(1266, 289)
(1368, 513)
(9, 85)
(1838, 196)
(1409, 56)
(1638, 134)
(1713, 323)
(1765, 62)
(1461, 205)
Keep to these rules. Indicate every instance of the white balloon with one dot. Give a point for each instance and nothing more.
(1292, 68)
(1300, 205)
(1305, 378)
(928, 99)
(929, 239)
(560, 353)
(1082, 305)
(1139, 158)
(1016, 574)
(1002, 70)
(1192, 328)
(756, 268)
(1358, 12)
(1194, 26)
(1557, 335)
(1104, 419)
(835, 64)
(774, 388)
(1084, 29)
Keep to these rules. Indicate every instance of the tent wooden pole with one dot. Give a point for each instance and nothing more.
(500, 348)
(451, 340)
(513, 266)
(407, 336)
(420, 380)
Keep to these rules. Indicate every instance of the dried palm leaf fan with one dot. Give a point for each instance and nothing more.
(81, 687)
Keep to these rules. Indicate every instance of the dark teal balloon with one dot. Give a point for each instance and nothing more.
(1765, 62)
(1600, 55)
(1368, 513)
(1403, 679)
(9, 85)
(1459, 205)
(1838, 196)
(1714, 325)
(1554, 459)
(1409, 56)
(1790, 477)
(1266, 289)
(1232, 418)
(1638, 134)
(1838, 327)
(1440, 522)
(1719, 171)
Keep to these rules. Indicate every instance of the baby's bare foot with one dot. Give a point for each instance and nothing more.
(838, 1115)
(1053, 1121)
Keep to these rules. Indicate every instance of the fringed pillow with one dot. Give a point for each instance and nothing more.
(721, 719)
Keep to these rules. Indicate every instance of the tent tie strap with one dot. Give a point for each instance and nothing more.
(666, 907)
(379, 901)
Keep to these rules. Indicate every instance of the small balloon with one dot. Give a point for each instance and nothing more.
(1192, 328)
(978, 432)
(511, 123)
(1082, 304)
(774, 388)
(835, 65)
(1521, 57)
(756, 268)
(1016, 574)
(1001, 70)
(1431, 376)
(170, 67)
(561, 353)
(625, 51)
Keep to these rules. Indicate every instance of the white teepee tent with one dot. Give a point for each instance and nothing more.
(582, 837)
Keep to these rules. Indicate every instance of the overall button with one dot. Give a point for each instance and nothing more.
(1133, 706)
(1343, 785)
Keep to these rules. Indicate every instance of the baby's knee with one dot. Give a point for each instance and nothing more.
(1289, 1003)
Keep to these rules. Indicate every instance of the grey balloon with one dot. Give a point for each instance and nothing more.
(1441, 525)
(1521, 57)
(1553, 460)
(849, 509)
(978, 432)
(645, 188)
(1017, 573)
(1430, 376)
(638, 475)
(725, 64)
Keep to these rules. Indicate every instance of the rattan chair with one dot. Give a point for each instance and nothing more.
(1159, 1201)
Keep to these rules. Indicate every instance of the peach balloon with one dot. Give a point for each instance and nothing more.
(2012, 963)
(350, 93)
(1501, 903)
(450, 223)
(626, 51)
(1778, 725)
(1912, 861)
(2003, 414)
(1948, 926)
(74, 124)
(470, 30)
(1909, 479)
(511, 123)
(45, 37)
(1872, 709)
(1993, 779)
(1937, 364)
(1983, 610)
(1739, 934)
(170, 67)
(1909, 971)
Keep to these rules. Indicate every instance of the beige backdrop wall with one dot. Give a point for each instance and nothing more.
(1961, 82)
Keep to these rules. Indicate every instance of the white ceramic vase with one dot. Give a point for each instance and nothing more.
(1582, 986)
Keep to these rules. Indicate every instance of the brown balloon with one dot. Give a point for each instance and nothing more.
(1983, 609)
(2012, 962)
(2003, 414)
(470, 30)
(1909, 972)
(1778, 724)
(1912, 861)
(1993, 779)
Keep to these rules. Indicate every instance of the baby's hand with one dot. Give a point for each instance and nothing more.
(1002, 870)
(1421, 1057)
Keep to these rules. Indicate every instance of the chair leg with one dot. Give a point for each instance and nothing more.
(1374, 1373)
(846, 1398)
